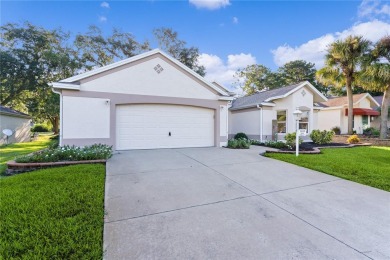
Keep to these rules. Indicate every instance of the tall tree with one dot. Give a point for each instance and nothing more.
(376, 76)
(341, 67)
(299, 70)
(168, 41)
(32, 57)
(254, 78)
(97, 50)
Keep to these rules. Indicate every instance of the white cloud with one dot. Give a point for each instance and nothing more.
(374, 8)
(105, 5)
(102, 19)
(221, 71)
(210, 4)
(314, 50)
(235, 20)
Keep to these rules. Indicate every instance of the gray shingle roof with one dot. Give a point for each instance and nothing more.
(11, 111)
(379, 100)
(257, 98)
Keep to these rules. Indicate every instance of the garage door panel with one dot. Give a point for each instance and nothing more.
(148, 126)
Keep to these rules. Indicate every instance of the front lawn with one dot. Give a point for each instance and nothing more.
(55, 213)
(9, 152)
(366, 165)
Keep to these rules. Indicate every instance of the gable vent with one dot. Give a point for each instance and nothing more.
(158, 68)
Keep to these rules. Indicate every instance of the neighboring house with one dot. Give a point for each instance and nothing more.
(376, 123)
(268, 115)
(334, 113)
(148, 101)
(18, 122)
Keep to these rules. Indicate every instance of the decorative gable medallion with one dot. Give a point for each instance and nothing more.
(158, 68)
(303, 92)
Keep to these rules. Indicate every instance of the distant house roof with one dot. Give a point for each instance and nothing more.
(343, 101)
(379, 99)
(12, 112)
(267, 96)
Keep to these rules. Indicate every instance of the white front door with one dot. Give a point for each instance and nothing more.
(149, 126)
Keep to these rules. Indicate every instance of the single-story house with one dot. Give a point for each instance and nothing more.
(268, 115)
(376, 123)
(147, 101)
(19, 123)
(334, 113)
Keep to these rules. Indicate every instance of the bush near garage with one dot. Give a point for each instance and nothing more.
(241, 136)
(241, 143)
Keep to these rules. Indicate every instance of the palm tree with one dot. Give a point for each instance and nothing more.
(342, 62)
(376, 76)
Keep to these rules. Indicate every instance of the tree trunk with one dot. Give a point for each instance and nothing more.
(54, 121)
(350, 106)
(385, 113)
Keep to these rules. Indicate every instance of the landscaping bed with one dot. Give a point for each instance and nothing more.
(54, 213)
(60, 156)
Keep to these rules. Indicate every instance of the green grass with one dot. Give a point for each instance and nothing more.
(54, 213)
(365, 165)
(9, 152)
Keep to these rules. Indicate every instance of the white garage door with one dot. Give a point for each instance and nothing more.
(163, 126)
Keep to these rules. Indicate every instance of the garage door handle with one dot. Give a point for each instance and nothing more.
(169, 134)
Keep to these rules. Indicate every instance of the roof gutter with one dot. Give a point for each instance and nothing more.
(61, 132)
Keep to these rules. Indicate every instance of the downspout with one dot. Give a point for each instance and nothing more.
(260, 122)
(59, 93)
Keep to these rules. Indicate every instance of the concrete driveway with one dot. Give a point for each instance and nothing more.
(218, 203)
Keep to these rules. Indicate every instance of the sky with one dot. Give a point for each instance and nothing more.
(229, 34)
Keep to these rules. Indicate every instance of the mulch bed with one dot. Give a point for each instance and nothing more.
(312, 148)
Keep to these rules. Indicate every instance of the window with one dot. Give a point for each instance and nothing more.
(281, 117)
(304, 122)
(365, 121)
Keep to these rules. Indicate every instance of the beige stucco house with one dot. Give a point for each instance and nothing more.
(147, 101)
(334, 113)
(268, 115)
(19, 123)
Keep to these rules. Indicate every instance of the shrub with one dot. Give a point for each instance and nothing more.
(321, 137)
(255, 142)
(336, 130)
(40, 128)
(241, 136)
(68, 153)
(241, 143)
(290, 139)
(371, 131)
(353, 139)
(276, 144)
